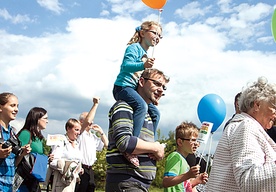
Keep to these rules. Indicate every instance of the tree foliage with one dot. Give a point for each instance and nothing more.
(46, 148)
(100, 169)
(170, 147)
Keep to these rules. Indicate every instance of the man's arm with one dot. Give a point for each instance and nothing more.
(104, 139)
(154, 148)
(91, 114)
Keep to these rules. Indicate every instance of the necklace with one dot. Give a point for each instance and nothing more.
(70, 141)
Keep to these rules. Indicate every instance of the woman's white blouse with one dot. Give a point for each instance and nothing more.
(67, 152)
(244, 159)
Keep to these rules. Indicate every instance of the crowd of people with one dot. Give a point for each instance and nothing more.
(244, 159)
(68, 163)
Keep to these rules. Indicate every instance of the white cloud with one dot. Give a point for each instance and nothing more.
(267, 40)
(225, 5)
(125, 8)
(15, 19)
(52, 5)
(244, 23)
(85, 62)
(63, 71)
(191, 10)
(5, 14)
(104, 13)
(252, 13)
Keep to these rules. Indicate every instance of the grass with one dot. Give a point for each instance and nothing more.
(152, 189)
(155, 189)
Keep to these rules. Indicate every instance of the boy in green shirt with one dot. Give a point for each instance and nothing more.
(178, 176)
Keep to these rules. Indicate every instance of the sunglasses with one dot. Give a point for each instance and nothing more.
(156, 34)
(157, 83)
(190, 140)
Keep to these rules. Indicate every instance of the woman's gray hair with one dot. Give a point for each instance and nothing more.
(257, 91)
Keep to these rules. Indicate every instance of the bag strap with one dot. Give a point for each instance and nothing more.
(1, 133)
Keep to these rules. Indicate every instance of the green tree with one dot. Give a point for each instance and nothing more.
(46, 148)
(99, 168)
(170, 147)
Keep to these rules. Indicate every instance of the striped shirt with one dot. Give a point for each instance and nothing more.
(121, 140)
(244, 159)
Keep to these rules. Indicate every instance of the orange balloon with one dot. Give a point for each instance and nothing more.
(155, 4)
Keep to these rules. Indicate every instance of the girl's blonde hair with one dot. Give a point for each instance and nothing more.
(144, 27)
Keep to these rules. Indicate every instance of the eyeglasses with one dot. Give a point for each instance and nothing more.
(155, 33)
(157, 83)
(190, 140)
(45, 119)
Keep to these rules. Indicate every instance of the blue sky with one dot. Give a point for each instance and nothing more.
(59, 54)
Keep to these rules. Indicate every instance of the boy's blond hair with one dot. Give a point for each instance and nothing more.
(185, 130)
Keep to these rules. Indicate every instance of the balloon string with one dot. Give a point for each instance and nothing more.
(209, 153)
(160, 11)
(201, 156)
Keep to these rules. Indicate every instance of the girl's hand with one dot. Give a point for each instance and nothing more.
(5, 152)
(26, 149)
(50, 157)
(149, 63)
(151, 156)
(203, 178)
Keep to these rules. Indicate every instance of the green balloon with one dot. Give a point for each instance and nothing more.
(273, 25)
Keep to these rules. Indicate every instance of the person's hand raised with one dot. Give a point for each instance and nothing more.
(96, 100)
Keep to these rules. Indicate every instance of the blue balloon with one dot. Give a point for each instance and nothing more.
(211, 108)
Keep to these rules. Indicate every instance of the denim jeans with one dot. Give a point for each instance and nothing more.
(139, 106)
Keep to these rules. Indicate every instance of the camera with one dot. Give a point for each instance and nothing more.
(15, 143)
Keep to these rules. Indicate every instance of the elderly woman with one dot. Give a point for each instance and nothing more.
(245, 156)
(67, 157)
